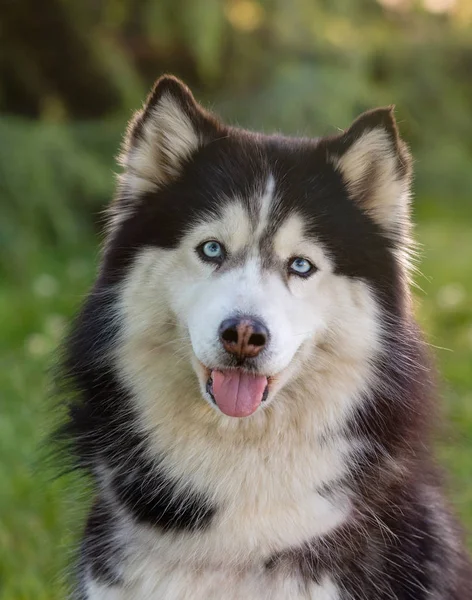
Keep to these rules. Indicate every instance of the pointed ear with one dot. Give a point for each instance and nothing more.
(376, 167)
(170, 127)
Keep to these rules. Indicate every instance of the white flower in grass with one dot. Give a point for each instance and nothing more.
(54, 326)
(450, 296)
(38, 344)
(45, 286)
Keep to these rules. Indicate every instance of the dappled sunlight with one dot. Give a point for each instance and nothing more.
(246, 15)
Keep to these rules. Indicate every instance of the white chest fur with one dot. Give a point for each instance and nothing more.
(181, 584)
(266, 503)
(263, 477)
(267, 498)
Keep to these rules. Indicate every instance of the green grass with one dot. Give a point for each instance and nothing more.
(38, 511)
(41, 515)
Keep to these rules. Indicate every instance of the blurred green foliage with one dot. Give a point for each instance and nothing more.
(302, 67)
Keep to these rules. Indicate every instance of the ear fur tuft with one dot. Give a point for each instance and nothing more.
(169, 128)
(376, 167)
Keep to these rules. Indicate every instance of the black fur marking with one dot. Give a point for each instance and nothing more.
(103, 435)
(307, 183)
(215, 172)
(100, 551)
(151, 496)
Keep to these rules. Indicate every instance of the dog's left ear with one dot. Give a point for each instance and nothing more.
(376, 168)
(164, 134)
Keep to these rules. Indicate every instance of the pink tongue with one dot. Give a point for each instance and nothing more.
(236, 393)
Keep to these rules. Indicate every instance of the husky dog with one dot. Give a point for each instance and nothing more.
(252, 393)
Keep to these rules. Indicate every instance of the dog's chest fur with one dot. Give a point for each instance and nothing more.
(179, 583)
(267, 497)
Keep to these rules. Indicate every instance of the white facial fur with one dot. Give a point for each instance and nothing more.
(209, 298)
(173, 298)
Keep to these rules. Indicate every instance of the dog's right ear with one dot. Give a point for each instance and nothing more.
(163, 135)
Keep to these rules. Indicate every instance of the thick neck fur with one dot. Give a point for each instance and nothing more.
(294, 472)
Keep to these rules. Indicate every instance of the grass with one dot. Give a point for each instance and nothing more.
(42, 515)
(39, 510)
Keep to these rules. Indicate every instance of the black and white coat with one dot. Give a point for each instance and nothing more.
(326, 492)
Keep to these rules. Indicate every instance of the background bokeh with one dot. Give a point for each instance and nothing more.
(71, 73)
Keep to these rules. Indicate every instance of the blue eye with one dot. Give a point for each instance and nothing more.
(301, 266)
(211, 251)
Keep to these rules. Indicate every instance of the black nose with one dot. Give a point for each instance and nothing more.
(244, 337)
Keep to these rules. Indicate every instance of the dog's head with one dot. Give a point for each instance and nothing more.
(245, 261)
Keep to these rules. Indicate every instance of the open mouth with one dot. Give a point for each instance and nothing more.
(237, 393)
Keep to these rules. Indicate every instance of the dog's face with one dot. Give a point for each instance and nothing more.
(253, 259)
(251, 292)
